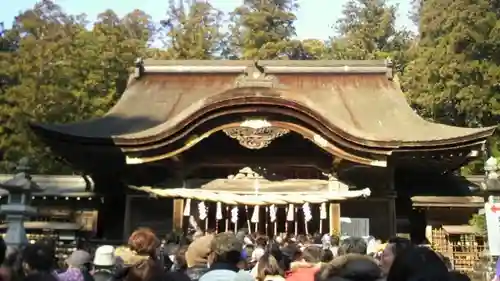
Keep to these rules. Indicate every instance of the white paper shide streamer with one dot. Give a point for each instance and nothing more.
(272, 213)
(290, 214)
(187, 208)
(306, 209)
(322, 211)
(202, 210)
(218, 213)
(234, 215)
(255, 215)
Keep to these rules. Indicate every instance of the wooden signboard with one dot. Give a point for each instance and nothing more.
(52, 212)
(87, 220)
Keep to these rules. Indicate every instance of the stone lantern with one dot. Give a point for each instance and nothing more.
(491, 169)
(20, 188)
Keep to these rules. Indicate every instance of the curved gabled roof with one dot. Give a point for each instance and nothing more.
(354, 100)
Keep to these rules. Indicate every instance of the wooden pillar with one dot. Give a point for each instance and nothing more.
(392, 216)
(126, 221)
(178, 214)
(391, 200)
(334, 214)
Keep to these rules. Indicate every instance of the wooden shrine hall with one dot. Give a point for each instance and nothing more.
(181, 128)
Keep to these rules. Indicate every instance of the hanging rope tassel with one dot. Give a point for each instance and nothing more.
(218, 216)
(187, 208)
(255, 217)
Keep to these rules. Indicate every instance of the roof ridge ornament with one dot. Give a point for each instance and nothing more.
(255, 76)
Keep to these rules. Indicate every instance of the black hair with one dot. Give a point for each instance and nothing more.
(399, 244)
(418, 263)
(458, 276)
(326, 255)
(3, 250)
(38, 257)
(353, 245)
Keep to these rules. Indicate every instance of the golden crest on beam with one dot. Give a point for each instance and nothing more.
(255, 134)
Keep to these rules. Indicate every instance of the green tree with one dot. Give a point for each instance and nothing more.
(62, 72)
(113, 46)
(416, 7)
(193, 32)
(479, 222)
(454, 78)
(367, 30)
(263, 29)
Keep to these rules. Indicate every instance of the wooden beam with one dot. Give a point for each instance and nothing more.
(178, 217)
(335, 218)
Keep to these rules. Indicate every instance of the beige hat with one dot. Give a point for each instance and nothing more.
(198, 251)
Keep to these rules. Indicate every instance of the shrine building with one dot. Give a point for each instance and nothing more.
(208, 139)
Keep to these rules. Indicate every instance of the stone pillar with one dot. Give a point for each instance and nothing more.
(20, 188)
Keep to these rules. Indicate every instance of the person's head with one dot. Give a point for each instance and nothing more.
(104, 257)
(3, 250)
(458, 276)
(12, 257)
(136, 267)
(144, 242)
(334, 240)
(326, 255)
(352, 245)
(312, 254)
(273, 248)
(352, 267)
(78, 259)
(249, 249)
(418, 263)
(36, 258)
(261, 241)
(198, 251)
(49, 244)
(394, 247)
(180, 258)
(268, 266)
(225, 248)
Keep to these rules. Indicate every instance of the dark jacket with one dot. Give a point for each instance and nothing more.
(177, 276)
(194, 273)
(103, 275)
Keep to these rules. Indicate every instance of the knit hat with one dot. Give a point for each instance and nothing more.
(198, 251)
(105, 256)
(78, 258)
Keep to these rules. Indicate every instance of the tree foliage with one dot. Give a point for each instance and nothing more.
(454, 78)
(62, 72)
(193, 32)
(367, 30)
(264, 29)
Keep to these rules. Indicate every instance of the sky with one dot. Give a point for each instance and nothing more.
(315, 17)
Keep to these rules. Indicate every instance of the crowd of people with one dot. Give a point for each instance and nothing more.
(230, 257)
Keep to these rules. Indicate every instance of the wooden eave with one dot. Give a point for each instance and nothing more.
(448, 201)
(163, 104)
(58, 185)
